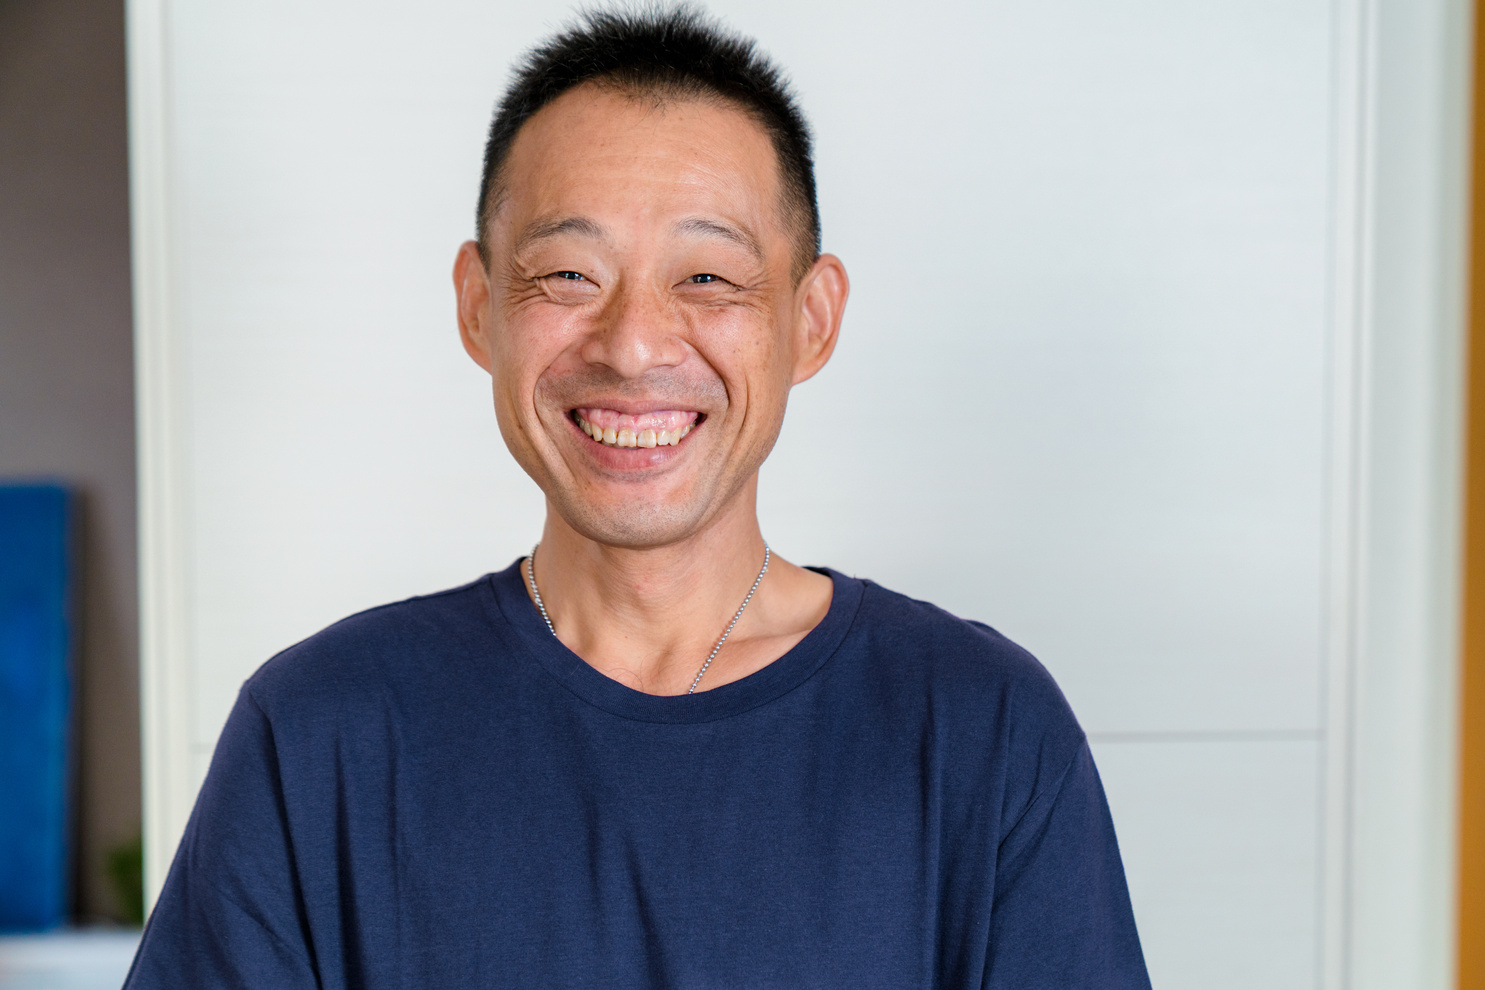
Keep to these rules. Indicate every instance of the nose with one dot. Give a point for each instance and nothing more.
(638, 331)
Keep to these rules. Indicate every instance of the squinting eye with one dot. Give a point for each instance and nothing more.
(703, 279)
(570, 276)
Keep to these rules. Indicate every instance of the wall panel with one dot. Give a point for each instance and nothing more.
(1220, 837)
(1102, 380)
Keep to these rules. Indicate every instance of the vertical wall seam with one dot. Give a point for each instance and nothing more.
(1351, 177)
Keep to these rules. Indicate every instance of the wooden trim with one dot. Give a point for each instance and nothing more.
(1471, 943)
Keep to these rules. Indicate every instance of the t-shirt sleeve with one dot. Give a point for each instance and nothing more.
(1061, 915)
(229, 914)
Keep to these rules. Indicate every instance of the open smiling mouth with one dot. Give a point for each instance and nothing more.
(662, 428)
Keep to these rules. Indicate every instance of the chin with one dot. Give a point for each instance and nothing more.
(631, 526)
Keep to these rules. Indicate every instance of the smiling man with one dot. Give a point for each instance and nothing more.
(653, 753)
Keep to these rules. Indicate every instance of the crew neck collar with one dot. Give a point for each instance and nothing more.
(734, 698)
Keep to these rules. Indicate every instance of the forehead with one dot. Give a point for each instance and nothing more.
(600, 151)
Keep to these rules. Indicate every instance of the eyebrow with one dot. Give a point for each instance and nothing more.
(709, 227)
(545, 227)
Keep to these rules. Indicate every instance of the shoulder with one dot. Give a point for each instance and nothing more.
(976, 692)
(371, 651)
(892, 616)
(916, 640)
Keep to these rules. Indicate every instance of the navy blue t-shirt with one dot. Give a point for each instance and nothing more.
(438, 794)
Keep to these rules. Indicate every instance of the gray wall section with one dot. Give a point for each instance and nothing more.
(66, 367)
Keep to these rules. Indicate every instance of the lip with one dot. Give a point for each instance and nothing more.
(632, 407)
(630, 460)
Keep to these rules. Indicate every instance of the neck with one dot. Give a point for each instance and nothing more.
(649, 618)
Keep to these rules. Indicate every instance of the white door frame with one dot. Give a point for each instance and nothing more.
(1403, 87)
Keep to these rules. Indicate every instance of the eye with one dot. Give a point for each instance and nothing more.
(704, 279)
(570, 276)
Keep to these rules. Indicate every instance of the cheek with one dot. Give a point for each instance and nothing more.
(754, 357)
(770, 354)
(752, 337)
(525, 347)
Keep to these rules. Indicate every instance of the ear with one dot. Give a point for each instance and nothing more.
(822, 301)
(472, 289)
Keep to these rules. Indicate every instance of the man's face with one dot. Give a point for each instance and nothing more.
(638, 317)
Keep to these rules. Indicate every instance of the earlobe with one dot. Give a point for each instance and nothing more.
(472, 295)
(824, 291)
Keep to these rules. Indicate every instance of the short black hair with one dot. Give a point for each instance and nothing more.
(672, 53)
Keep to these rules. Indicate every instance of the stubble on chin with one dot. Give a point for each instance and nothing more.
(636, 526)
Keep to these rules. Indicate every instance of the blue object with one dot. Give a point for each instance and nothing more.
(439, 794)
(35, 701)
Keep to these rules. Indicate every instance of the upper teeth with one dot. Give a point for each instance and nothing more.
(629, 438)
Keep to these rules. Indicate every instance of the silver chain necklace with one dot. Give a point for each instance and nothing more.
(767, 553)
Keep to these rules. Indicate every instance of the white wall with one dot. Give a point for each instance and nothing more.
(1112, 302)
